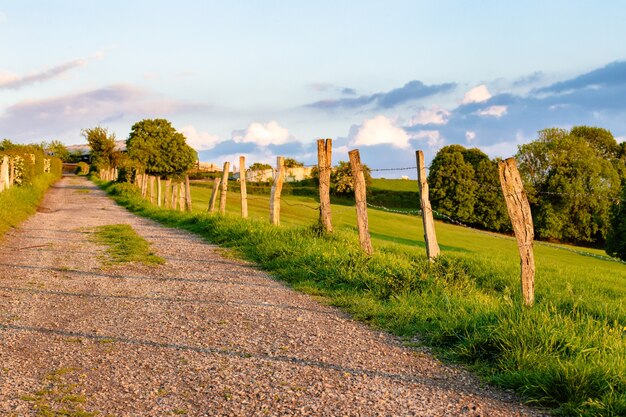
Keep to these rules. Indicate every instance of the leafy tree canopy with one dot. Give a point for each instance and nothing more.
(58, 149)
(258, 166)
(159, 148)
(102, 143)
(292, 163)
(616, 237)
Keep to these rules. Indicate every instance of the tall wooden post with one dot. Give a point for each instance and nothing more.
(224, 189)
(324, 163)
(144, 185)
(242, 187)
(277, 188)
(430, 237)
(361, 202)
(11, 172)
(187, 194)
(216, 187)
(522, 221)
(173, 193)
(181, 196)
(4, 173)
(159, 192)
(152, 189)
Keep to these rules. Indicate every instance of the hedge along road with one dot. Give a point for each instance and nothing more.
(198, 335)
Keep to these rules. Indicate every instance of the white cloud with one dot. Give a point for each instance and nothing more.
(435, 115)
(477, 94)
(433, 138)
(470, 136)
(263, 134)
(200, 141)
(380, 130)
(494, 111)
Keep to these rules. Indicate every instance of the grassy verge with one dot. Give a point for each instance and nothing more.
(567, 353)
(19, 203)
(125, 245)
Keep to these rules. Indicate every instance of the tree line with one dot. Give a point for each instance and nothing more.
(575, 181)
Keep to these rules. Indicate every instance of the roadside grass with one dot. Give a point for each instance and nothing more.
(567, 353)
(125, 245)
(19, 203)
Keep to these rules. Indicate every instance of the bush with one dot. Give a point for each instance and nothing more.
(82, 168)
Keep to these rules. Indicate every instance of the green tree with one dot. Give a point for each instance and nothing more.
(258, 166)
(292, 163)
(102, 143)
(341, 179)
(159, 148)
(571, 181)
(616, 237)
(58, 149)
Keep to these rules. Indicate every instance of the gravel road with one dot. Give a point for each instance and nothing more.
(201, 335)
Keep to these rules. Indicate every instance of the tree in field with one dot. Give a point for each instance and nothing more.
(292, 163)
(572, 178)
(102, 144)
(342, 181)
(58, 149)
(616, 237)
(159, 149)
(258, 166)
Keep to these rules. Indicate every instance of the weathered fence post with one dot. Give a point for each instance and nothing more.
(224, 187)
(361, 202)
(324, 164)
(277, 188)
(242, 187)
(11, 172)
(159, 192)
(181, 196)
(173, 193)
(167, 188)
(4, 173)
(187, 194)
(522, 221)
(152, 189)
(430, 237)
(144, 185)
(216, 187)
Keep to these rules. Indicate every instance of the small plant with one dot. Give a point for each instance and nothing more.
(125, 245)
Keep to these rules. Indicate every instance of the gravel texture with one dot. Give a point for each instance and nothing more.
(201, 335)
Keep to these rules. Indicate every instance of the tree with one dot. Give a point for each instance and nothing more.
(258, 166)
(292, 163)
(571, 181)
(102, 144)
(58, 149)
(341, 179)
(159, 148)
(616, 237)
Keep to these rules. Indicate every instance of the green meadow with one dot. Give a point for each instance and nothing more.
(567, 353)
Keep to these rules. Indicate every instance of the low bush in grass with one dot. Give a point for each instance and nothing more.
(557, 354)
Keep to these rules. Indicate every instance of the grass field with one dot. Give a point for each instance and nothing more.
(567, 353)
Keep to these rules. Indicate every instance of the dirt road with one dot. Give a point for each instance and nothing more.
(199, 335)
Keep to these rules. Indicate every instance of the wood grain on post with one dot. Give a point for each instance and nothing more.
(187, 194)
(277, 188)
(522, 221)
(224, 189)
(324, 163)
(144, 185)
(181, 196)
(159, 191)
(11, 172)
(173, 193)
(361, 202)
(167, 189)
(152, 189)
(242, 187)
(216, 187)
(4, 165)
(430, 237)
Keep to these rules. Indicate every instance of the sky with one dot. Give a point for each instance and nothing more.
(267, 78)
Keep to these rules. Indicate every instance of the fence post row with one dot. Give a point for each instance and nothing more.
(522, 221)
(216, 186)
(187, 194)
(242, 187)
(277, 188)
(361, 202)
(324, 164)
(224, 189)
(430, 237)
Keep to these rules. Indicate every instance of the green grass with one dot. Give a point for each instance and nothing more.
(19, 203)
(567, 353)
(125, 245)
(395, 185)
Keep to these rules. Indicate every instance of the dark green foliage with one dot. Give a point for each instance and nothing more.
(292, 163)
(616, 238)
(571, 179)
(58, 149)
(102, 143)
(258, 166)
(464, 185)
(341, 181)
(159, 148)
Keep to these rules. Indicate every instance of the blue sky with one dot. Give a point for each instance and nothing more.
(262, 78)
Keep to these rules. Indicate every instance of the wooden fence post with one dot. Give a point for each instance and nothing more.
(173, 193)
(159, 192)
(225, 173)
(167, 189)
(277, 188)
(11, 172)
(4, 170)
(242, 187)
(430, 237)
(144, 185)
(522, 221)
(361, 202)
(216, 187)
(187, 194)
(152, 189)
(181, 196)
(324, 164)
